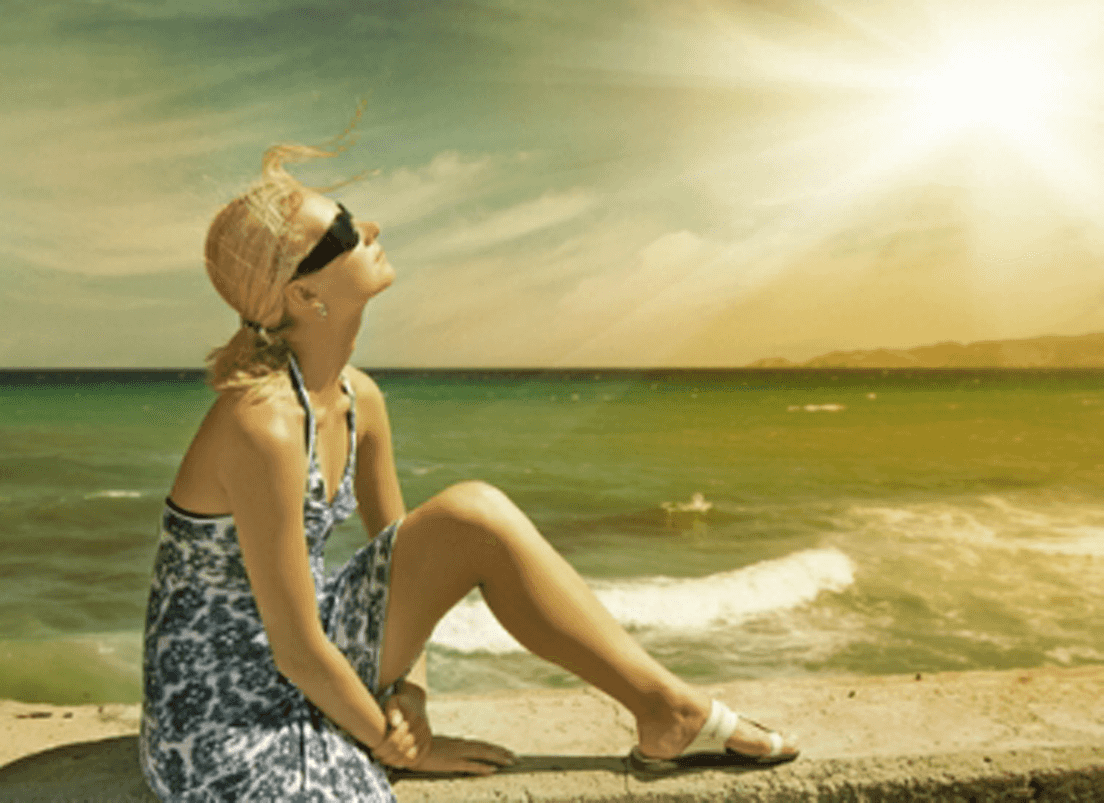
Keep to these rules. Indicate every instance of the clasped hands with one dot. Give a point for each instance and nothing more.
(410, 744)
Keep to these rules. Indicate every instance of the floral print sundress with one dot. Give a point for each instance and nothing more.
(219, 721)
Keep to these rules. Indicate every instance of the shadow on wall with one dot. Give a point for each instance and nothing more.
(107, 771)
(103, 771)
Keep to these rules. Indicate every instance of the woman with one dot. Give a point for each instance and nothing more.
(265, 680)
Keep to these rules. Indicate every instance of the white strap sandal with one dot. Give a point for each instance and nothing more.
(708, 747)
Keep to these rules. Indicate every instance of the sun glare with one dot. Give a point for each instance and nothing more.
(1009, 89)
(1001, 102)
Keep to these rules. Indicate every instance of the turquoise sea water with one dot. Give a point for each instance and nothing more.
(852, 521)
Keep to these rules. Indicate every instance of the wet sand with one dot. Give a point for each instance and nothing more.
(1019, 735)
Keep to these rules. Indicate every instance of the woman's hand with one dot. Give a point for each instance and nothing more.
(410, 745)
(449, 754)
(408, 737)
(398, 748)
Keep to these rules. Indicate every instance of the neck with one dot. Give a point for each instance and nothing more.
(322, 349)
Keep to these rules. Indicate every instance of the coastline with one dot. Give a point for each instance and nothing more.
(1033, 734)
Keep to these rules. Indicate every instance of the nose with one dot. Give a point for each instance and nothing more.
(370, 231)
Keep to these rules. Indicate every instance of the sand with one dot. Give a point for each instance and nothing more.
(1035, 734)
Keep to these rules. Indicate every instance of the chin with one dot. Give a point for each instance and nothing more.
(381, 285)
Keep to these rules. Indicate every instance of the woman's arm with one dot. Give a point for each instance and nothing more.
(379, 498)
(263, 469)
(377, 481)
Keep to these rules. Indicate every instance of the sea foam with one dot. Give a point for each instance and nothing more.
(996, 523)
(684, 605)
(114, 494)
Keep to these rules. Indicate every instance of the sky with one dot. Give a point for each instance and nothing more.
(564, 183)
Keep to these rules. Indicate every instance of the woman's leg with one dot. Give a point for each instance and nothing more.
(473, 535)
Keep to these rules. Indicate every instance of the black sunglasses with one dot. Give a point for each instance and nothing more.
(340, 237)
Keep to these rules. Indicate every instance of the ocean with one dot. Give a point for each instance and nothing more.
(742, 524)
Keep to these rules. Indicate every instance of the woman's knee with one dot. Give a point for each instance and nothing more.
(475, 504)
(477, 524)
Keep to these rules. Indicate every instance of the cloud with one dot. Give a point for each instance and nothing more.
(636, 278)
(637, 313)
(592, 296)
(101, 188)
(406, 195)
(505, 225)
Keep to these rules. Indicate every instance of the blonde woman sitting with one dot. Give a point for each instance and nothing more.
(265, 679)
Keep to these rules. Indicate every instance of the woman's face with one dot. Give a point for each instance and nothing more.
(354, 276)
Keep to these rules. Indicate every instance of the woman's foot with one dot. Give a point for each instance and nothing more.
(758, 741)
(667, 730)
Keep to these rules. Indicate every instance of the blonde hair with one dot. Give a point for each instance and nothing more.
(253, 247)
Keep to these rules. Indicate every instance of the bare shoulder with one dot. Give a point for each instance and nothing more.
(371, 404)
(243, 426)
(268, 421)
(365, 387)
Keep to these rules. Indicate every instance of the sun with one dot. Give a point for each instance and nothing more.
(1001, 100)
(1013, 89)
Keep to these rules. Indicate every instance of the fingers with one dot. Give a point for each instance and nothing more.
(399, 748)
(416, 723)
(488, 753)
(413, 713)
(403, 748)
(466, 755)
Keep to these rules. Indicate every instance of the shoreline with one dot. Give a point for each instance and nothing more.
(1033, 734)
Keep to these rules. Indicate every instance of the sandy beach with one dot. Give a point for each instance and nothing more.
(1021, 735)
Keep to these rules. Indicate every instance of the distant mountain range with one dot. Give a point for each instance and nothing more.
(1052, 351)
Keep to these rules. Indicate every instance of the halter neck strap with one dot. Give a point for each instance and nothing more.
(304, 400)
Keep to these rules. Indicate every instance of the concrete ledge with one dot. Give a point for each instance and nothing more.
(1031, 735)
(1058, 775)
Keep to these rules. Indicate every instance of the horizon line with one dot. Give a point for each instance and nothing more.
(20, 370)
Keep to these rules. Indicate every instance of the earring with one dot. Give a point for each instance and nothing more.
(322, 310)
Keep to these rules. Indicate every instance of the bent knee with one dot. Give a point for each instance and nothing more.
(474, 503)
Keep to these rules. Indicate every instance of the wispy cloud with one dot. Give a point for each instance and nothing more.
(505, 225)
(405, 195)
(102, 188)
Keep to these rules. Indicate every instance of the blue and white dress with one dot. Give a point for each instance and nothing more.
(219, 721)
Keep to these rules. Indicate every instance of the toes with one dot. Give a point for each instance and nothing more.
(754, 739)
(789, 746)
